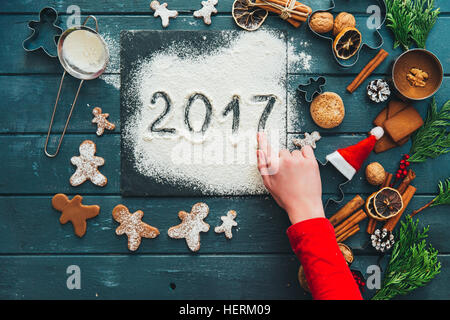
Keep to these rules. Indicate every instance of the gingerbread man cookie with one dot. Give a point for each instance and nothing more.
(74, 211)
(227, 224)
(87, 164)
(191, 226)
(162, 12)
(207, 10)
(309, 140)
(100, 120)
(132, 226)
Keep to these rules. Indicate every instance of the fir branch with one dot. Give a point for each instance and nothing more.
(433, 138)
(412, 265)
(442, 198)
(425, 18)
(411, 21)
(444, 194)
(400, 19)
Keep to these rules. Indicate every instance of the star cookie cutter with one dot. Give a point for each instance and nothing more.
(312, 87)
(45, 33)
(362, 27)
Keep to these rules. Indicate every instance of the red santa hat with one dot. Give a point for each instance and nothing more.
(349, 160)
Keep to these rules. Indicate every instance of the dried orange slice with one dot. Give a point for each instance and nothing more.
(347, 43)
(247, 15)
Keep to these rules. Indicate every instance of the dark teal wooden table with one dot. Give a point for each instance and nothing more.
(35, 250)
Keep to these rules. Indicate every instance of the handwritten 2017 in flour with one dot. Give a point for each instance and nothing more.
(196, 116)
(233, 107)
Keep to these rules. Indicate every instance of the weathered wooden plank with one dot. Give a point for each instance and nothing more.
(26, 103)
(26, 170)
(35, 94)
(322, 61)
(224, 6)
(359, 110)
(29, 225)
(13, 59)
(174, 277)
(427, 175)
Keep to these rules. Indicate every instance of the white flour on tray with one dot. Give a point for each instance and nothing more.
(216, 162)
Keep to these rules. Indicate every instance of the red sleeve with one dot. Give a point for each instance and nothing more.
(326, 271)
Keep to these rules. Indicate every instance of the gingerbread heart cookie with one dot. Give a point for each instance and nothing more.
(74, 211)
(132, 226)
(191, 226)
(87, 166)
(101, 120)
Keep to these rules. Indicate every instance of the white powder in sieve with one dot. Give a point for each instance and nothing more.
(84, 51)
(217, 162)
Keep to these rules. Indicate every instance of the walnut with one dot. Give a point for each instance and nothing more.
(343, 20)
(417, 77)
(375, 174)
(321, 22)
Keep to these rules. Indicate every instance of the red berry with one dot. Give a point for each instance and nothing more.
(406, 156)
(399, 171)
(405, 172)
(402, 161)
(407, 163)
(398, 176)
(402, 166)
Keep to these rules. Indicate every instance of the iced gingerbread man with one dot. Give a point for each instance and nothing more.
(87, 166)
(207, 10)
(191, 226)
(227, 224)
(162, 12)
(101, 120)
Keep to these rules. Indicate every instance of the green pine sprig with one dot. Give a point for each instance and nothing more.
(411, 21)
(433, 138)
(400, 20)
(441, 199)
(413, 263)
(425, 18)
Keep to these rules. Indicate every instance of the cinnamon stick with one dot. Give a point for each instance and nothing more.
(371, 226)
(367, 70)
(297, 16)
(406, 197)
(387, 180)
(350, 222)
(350, 207)
(352, 231)
(406, 181)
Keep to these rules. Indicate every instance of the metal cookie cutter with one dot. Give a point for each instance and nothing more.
(75, 72)
(362, 27)
(44, 33)
(312, 87)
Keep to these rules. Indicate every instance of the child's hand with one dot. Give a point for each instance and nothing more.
(293, 179)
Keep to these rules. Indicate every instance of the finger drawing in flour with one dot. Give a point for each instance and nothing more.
(227, 224)
(207, 10)
(162, 12)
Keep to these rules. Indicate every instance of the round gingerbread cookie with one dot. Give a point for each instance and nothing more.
(321, 22)
(327, 110)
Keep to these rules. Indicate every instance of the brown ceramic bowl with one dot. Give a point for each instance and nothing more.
(421, 59)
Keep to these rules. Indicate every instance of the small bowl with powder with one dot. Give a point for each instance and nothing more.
(417, 74)
(83, 53)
